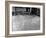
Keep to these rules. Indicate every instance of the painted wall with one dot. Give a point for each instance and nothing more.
(2, 18)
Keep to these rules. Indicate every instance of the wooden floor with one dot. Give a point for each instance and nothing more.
(26, 22)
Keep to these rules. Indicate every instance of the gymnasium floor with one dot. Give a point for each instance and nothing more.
(26, 22)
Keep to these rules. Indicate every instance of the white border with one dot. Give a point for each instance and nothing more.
(32, 31)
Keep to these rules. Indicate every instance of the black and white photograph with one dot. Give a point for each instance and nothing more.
(25, 18)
